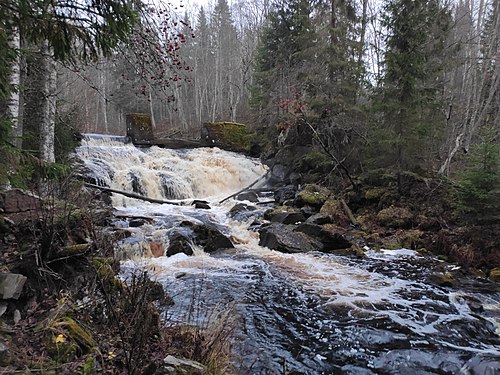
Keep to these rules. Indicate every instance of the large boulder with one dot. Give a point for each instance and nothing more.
(207, 237)
(284, 215)
(283, 238)
(242, 211)
(395, 217)
(284, 194)
(330, 240)
(312, 195)
(179, 244)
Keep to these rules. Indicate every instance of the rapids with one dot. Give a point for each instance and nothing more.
(310, 313)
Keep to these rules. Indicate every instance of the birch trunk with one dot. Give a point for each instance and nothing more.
(48, 107)
(13, 106)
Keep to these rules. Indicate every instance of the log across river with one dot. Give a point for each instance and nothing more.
(310, 313)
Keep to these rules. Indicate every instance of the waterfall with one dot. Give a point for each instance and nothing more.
(203, 173)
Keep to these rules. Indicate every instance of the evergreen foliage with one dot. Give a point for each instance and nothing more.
(410, 92)
(479, 185)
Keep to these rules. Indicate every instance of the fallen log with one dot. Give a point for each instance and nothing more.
(131, 195)
(245, 189)
(348, 212)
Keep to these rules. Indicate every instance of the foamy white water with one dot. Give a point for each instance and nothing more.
(318, 313)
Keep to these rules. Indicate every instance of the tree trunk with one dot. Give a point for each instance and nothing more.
(13, 104)
(48, 110)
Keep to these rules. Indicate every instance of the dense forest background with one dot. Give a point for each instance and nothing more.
(401, 84)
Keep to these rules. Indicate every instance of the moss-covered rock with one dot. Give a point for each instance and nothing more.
(412, 239)
(231, 136)
(443, 279)
(374, 194)
(395, 217)
(333, 208)
(312, 195)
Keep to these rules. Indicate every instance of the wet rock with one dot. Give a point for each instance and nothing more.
(11, 285)
(308, 211)
(284, 215)
(241, 211)
(201, 205)
(19, 201)
(443, 279)
(134, 223)
(250, 196)
(207, 237)
(285, 193)
(179, 244)
(319, 219)
(211, 239)
(183, 366)
(395, 217)
(329, 240)
(283, 238)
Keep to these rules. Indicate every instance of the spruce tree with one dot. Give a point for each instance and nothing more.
(413, 81)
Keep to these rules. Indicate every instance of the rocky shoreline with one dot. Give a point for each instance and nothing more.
(63, 309)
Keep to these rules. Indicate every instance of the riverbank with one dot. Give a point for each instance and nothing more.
(63, 307)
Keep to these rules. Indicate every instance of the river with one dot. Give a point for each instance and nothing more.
(309, 313)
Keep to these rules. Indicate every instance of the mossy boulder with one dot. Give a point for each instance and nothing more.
(374, 194)
(231, 136)
(333, 208)
(312, 195)
(395, 217)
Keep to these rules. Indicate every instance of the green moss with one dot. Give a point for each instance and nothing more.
(374, 194)
(105, 269)
(314, 199)
(412, 239)
(75, 249)
(395, 217)
(77, 333)
(230, 135)
(315, 161)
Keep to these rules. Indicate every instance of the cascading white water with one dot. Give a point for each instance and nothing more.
(316, 313)
(167, 174)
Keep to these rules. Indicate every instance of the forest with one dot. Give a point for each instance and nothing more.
(402, 84)
(392, 107)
